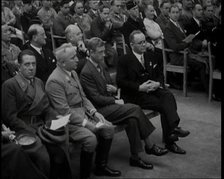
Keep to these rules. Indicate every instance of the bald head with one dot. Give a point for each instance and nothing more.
(37, 35)
(73, 34)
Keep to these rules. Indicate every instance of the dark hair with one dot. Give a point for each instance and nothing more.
(63, 2)
(24, 52)
(95, 42)
(102, 6)
(194, 5)
(132, 35)
(174, 6)
(206, 6)
(73, 6)
(164, 2)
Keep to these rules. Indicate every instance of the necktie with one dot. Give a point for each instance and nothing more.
(142, 61)
(31, 83)
(42, 53)
(178, 25)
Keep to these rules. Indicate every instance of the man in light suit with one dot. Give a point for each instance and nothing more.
(67, 97)
(98, 86)
(140, 78)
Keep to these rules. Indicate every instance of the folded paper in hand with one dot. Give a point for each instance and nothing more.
(62, 121)
(190, 37)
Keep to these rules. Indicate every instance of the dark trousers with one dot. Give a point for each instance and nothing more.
(138, 125)
(163, 101)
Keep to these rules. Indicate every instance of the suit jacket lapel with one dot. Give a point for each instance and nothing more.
(96, 74)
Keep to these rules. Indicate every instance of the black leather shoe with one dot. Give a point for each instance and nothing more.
(106, 171)
(180, 132)
(173, 137)
(140, 163)
(175, 149)
(156, 150)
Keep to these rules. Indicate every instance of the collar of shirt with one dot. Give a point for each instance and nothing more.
(36, 48)
(26, 80)
(138, 56)
(94, 11)
(94, 63)
(68, 73)
(197, 21)
(175, 23)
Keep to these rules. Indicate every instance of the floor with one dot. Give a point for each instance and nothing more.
(203, 145)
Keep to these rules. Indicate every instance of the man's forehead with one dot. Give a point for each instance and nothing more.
(139, 37)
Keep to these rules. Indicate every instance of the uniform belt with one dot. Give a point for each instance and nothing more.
(78, 105)
(31, 119)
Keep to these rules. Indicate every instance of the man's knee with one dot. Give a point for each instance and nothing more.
(107, 132)
(90, 143)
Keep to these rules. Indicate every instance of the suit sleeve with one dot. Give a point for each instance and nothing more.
(97, 32)
(9, 108)
(91, 89)
(172, 42)
(122, 76)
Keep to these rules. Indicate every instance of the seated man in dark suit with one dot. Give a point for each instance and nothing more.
(45, 59)
(163, 18)
(174, 35)
(140, 78)
(67, 97)
(99, 88)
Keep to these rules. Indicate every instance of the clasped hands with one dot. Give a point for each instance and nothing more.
(113, 89)
(149, 86)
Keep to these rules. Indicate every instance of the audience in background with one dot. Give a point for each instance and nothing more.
(9, 54)
(7, 15)
(82, 19)
(63, 19)
(74, 36)
(102, 27)
(163, 18)
(47, 14)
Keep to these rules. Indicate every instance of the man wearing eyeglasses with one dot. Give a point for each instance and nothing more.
(140, 77)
